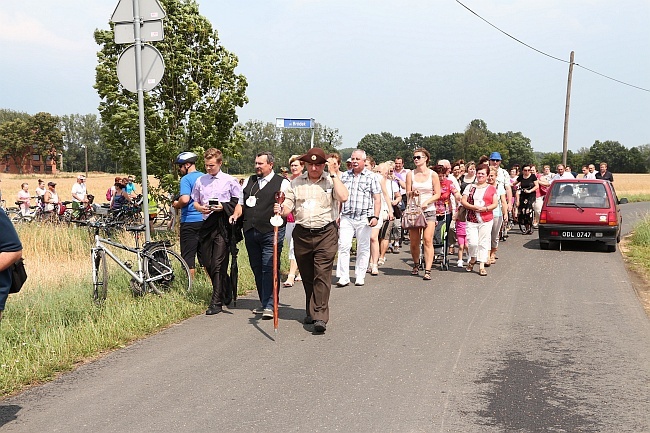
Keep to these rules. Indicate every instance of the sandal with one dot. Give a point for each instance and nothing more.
(298, 278)
(427, 275)
(290, 281)
(482, 272)
(374, 270)
(415, 270)
(470, 266)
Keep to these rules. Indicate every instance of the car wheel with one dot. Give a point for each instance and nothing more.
(611, 248)
(544, 245)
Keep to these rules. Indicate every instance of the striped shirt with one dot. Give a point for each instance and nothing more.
(362, 187)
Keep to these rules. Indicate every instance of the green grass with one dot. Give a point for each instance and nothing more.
(47, 330)
(638, 253)
(635, 198)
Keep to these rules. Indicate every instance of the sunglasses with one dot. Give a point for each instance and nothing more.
(416, 157)
(495, 160)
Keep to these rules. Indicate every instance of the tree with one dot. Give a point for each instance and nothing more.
(47, 137)
(611, 152)
(15, 141)
(193, 107)
(7, 115)
(84, 130)
(382, 147)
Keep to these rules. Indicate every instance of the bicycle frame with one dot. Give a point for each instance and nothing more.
(100, 244)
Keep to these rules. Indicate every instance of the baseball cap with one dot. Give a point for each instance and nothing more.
(496, 155)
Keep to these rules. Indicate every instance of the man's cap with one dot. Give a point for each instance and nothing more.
(348, 160)
(131, 177)
(51, 184)
(496, 155)
(81, 176)
(316, 155)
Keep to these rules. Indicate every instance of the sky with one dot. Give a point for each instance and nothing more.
(371, 66)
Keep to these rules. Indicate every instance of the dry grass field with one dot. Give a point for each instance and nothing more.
(632, 184)
(96, 184)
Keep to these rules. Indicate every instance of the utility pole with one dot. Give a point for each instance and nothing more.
(566, 112)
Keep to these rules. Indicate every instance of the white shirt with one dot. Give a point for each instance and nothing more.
(262, 182)
(590, 175)
(80, 190)
(565, 175)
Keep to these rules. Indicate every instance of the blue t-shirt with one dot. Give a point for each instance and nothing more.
(130, 188)
(188, 213)
(9, 242)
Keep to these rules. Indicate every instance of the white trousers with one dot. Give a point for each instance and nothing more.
(349, 228)
(479, 237)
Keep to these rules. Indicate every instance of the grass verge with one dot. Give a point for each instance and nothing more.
(636, 250)
(53, 324)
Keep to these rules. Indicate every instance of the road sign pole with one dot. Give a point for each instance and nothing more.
(312, 136)
(143, 148)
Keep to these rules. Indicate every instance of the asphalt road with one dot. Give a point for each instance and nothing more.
(548, 341)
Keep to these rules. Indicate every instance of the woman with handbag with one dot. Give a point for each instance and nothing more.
(422, 189)
(479, 200)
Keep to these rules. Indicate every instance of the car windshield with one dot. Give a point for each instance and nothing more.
(584, 195)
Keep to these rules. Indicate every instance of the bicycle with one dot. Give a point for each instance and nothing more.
(80, 211)
(159, 269)
(525, 218)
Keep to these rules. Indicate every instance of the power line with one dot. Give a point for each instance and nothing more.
(548, 55)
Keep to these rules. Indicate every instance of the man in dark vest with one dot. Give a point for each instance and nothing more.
(256, 207)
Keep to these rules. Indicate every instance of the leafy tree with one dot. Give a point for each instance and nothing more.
(518, 148)
(84, 130)
(194, 106)
(7, 115)
(15, 141)
(47, 137)
(382, 147)
(611, 152)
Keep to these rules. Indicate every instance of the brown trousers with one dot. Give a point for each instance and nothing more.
(315, 253)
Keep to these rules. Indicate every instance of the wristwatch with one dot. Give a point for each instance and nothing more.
(375, 217)
(332, 176)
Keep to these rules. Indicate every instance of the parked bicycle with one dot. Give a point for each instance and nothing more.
(159, 269)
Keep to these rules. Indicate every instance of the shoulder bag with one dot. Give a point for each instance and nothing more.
(413, 216)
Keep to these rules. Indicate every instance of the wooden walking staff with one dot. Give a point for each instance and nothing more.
(276, 222)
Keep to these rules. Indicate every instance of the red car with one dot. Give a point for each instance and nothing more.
(585, 210)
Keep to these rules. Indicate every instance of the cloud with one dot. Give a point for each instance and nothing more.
(20, 29)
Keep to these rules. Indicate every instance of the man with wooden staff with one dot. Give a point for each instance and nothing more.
(256, 208)
(313, 197)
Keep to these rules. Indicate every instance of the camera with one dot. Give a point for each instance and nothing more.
(213, 202)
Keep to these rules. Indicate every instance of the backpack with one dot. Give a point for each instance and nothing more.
(18, 276)
(109, 194)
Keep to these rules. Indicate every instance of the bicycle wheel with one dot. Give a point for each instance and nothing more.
(526, 221)
(100, 276)
(166, 270)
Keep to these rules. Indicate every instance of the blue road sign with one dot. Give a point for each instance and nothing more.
(294, 123)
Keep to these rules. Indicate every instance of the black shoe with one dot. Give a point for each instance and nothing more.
(213, 309)
(319, 326)
(308, 320)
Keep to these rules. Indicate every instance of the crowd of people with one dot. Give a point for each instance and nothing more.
(324, 209)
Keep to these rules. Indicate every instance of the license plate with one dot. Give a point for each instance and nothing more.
(576, 234)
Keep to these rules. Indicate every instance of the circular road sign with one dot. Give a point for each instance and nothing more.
(153, 68)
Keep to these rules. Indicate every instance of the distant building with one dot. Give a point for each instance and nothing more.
(33, 163)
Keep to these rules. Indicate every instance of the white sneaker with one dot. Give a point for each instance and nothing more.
(460, 263)
(359, 282)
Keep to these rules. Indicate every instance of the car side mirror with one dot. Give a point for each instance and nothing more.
(622, 201)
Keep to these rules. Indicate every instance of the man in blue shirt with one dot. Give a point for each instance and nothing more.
(191, 219)
(10, 251)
